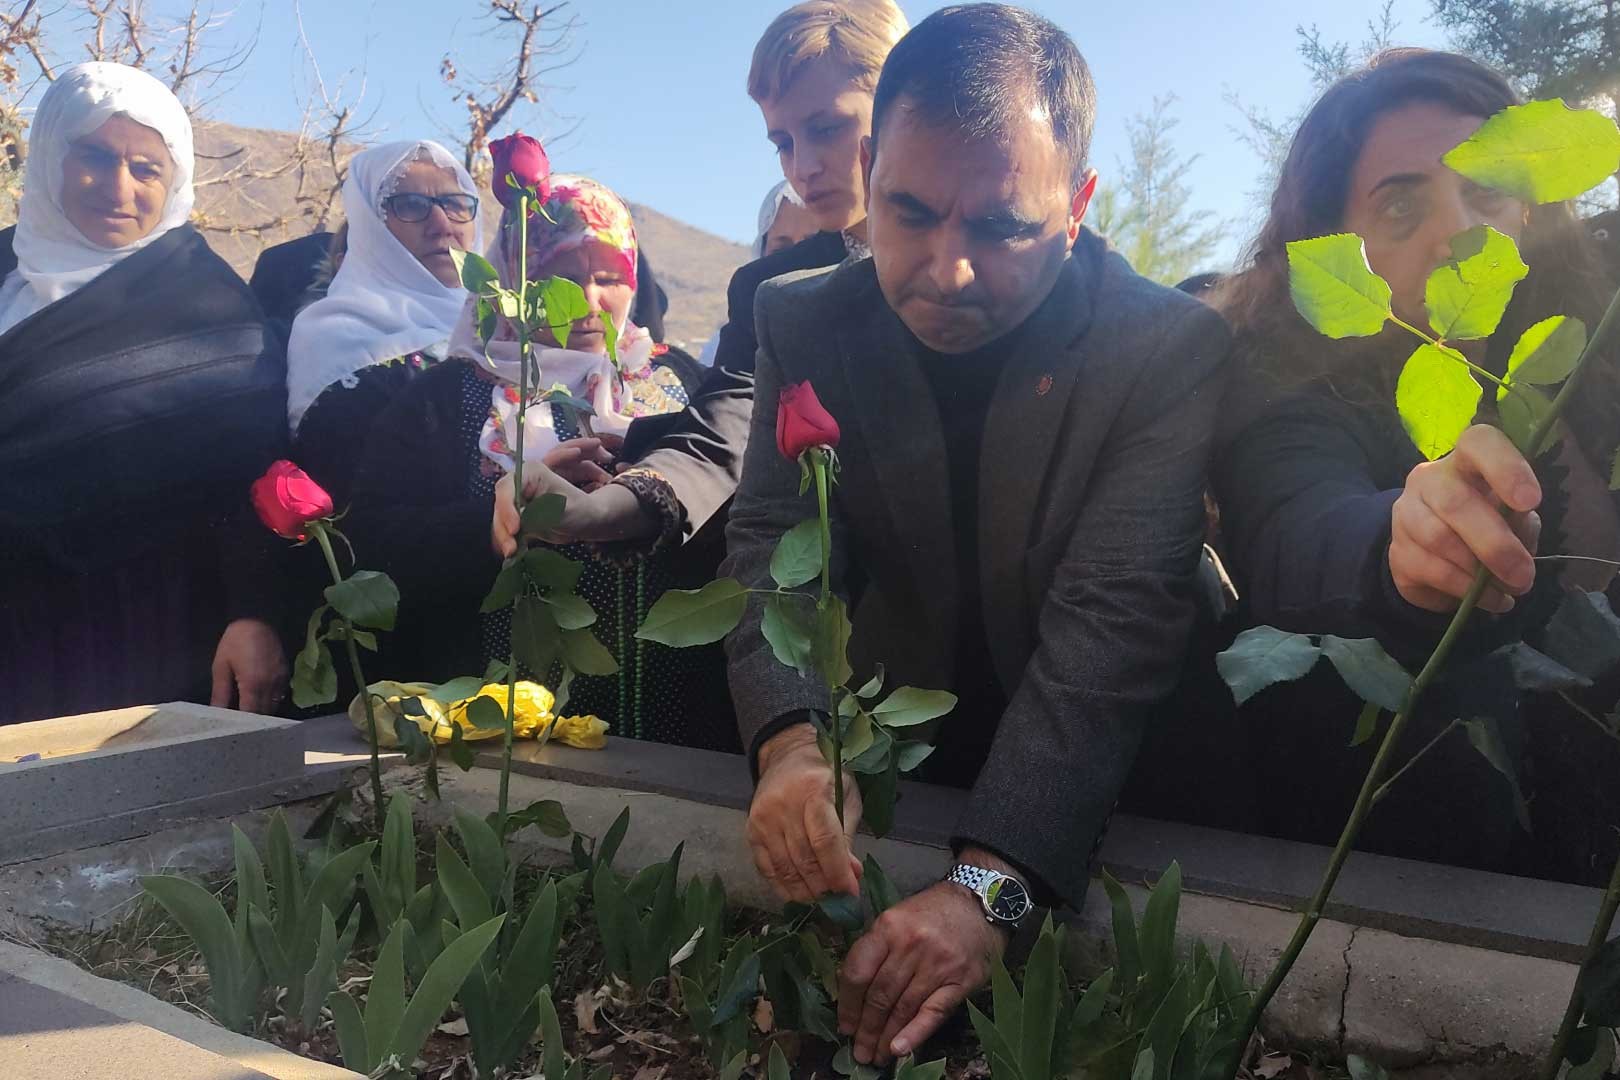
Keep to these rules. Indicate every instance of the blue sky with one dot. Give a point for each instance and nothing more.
(657, 105)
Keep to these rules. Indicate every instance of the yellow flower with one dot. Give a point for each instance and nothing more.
(386, 697)
(531, 714)
(585, 732)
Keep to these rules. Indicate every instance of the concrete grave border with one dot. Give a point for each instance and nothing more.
(1434, 972)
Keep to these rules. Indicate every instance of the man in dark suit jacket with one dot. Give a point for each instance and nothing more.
(1019, 517)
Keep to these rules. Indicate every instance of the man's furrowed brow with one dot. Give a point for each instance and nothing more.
(908, 203)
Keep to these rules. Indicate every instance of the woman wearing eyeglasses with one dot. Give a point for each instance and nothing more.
(389, 310)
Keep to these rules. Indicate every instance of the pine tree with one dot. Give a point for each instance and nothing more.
(1566, 48)
(1147, 215)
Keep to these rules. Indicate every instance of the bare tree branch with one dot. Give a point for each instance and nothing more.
(545, 44)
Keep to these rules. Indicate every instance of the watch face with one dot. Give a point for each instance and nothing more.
(1008, 899)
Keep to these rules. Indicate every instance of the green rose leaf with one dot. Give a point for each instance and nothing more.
(873, 687)
(1521, 409)
(314, 678)
(843, 910)
(461, 751)
(563, 301)
(1536, 671)
(1542, 152)
(1366, 724)
(508, 584)
(1584, 634)
(788, 625)
(875, 758)
(536, 638)
(366, 598)
(830, 645)
(571, 610)
(586, 655)
(1368, 670)
(610, 335)
(1546, 354)
(1437, 398)
(910, 753)
(1334, 288)
(459, 689)
(475, 271)
(559, 395)
(1485, 735)
(908, 706)
(797, 558)
(544, 512)
(486, 320)
(551, 571)
(547, 815)
(363, 638)
(486, 713)
(858, 737)
(1263, 656)
(683, 617)
(1467, 296)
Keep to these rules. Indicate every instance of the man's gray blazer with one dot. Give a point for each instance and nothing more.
(1091, 519)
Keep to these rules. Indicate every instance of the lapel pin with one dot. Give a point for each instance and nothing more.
(1043, 386)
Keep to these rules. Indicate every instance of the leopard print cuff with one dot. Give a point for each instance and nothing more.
(657, 498)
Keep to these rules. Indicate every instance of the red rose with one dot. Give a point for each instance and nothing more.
(524, 160)
(801, 422)
(288, 500)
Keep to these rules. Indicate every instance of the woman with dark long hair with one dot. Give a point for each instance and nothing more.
(1335, 523)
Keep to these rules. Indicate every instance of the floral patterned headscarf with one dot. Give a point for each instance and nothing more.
(580, 211)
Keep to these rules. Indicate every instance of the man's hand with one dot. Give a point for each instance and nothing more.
(249, 668)
(1447, 522)
(793, 831)
(919, 961)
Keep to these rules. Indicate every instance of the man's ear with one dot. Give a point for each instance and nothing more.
(1081, 203)
(866, 173)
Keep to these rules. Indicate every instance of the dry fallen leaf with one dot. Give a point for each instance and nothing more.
(585, 1004)
(1272, 1066)
(764, 1015)
(648, 1072)
(602, 1053)
(455, 1027)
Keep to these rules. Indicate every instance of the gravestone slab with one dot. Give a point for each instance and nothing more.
(79, 780)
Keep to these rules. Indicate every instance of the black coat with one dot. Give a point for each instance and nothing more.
(134, 415)
(700, 451)
(1090, 518)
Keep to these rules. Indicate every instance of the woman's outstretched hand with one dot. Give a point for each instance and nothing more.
(594, 510)
(1449, 521)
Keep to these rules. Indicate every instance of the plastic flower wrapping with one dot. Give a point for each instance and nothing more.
(532, 715)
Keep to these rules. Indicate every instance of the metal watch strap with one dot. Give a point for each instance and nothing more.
(975, 878)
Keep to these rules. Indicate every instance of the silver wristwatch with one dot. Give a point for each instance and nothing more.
(1005, 899)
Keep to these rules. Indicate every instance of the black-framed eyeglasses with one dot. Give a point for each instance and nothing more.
(410, 206)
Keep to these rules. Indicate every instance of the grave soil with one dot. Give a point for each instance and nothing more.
(640, 1036)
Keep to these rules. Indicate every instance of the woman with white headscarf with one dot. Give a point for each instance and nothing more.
(138, 400)
(428, 479)
(784, 220)
(389, 311)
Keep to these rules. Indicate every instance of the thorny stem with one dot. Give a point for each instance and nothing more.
(1596, 344)
(325, 541)
(517, 494)
(1577, 1005)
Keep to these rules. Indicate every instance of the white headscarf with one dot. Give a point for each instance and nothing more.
(54, 259)
(782, 193)
(383, 302)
